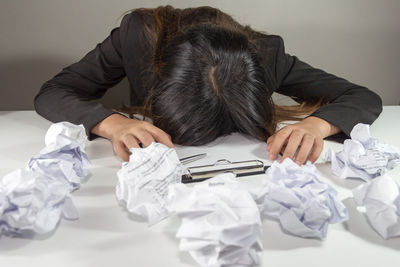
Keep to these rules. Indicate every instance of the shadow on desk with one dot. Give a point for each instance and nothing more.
(10, 243)
(275, 238)
(359, 226)
(348, 183)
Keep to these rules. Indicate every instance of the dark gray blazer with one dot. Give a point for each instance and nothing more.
(68, 95)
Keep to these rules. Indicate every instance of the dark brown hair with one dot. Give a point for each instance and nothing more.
(208, 79)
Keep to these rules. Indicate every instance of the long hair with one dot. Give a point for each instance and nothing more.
(208, 78)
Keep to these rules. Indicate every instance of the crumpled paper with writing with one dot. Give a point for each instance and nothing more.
(363, 156)
(221, 223)
(303, 204)
(380, 198)
(143, 181)
(36, 198)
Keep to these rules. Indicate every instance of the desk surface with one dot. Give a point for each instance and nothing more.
(105, 235)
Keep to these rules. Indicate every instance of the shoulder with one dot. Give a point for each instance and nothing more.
(271, 51)
(132, 23)
(270, 47)
(270, 40)
(133, 38)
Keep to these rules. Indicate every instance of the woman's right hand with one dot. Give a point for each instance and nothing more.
(126, 133)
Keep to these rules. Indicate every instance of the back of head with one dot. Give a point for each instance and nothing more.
(207, 77)
(211, 84)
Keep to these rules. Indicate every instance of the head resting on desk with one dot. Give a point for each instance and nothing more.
(209, 80)
(211, 84)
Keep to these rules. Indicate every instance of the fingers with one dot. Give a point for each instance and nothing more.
(130, 141)
(133, 132)
(121, 150)
(159, 135)
(305, 149)
(122, 147)
(293, 144)
(270, 140)
(277, 142)
(145, 138)
(317, 149)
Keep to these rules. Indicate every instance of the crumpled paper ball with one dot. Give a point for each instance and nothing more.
(35, 199)
(380, 198)
(363, 156)
(64, 155)
(143, 182)
(33, 202)
(221, 224)
(303, 204)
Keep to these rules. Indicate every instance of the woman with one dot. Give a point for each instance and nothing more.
(198, 74)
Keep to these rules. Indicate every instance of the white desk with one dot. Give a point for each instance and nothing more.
(105, 235)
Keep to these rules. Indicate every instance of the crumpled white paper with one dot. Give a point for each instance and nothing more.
(64, 155)
(36, 198)
(143, 181)
(380, 198)
(33, 202)
(303, 204)
(363, 156)
(221, 223)
(65, 132)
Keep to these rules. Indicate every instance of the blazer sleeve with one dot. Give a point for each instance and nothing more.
(347, 103)
(69, 95)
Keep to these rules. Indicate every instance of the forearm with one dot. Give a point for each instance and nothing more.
(56, 104)
(347, 103)
(357, 106)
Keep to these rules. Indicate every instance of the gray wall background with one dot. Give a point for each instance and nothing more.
(355, 39)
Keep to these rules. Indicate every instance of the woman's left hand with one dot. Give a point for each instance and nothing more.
(305, 138)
